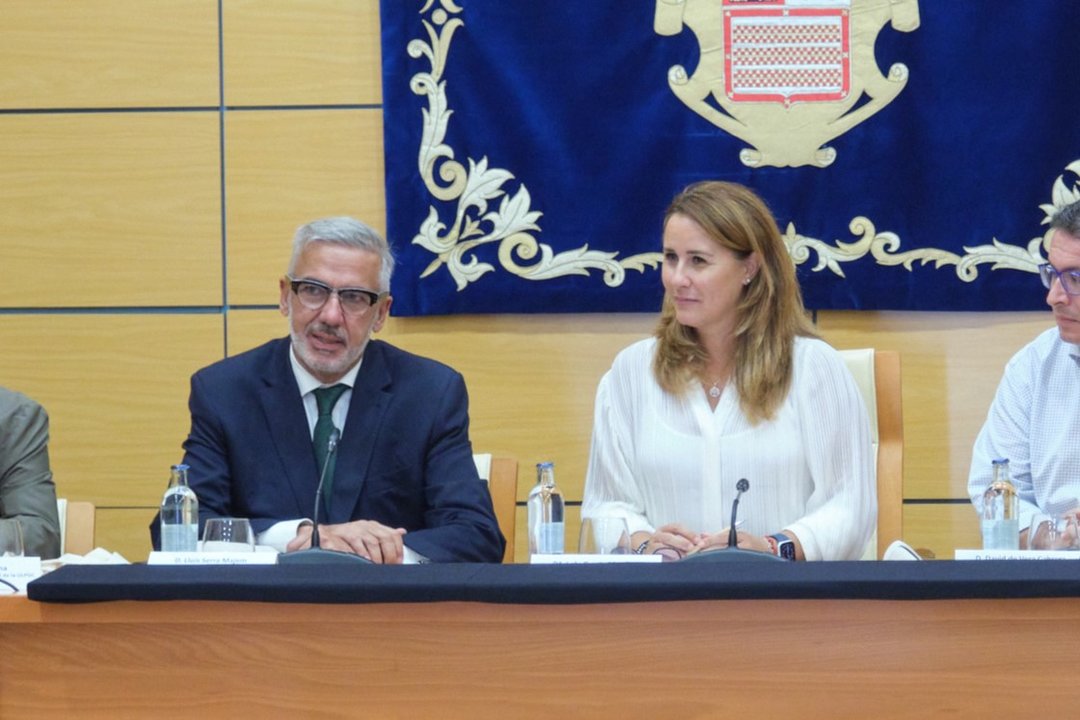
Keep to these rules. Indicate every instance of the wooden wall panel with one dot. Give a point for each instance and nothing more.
(941, 528)
(116, 388)
(126, 530)
(108, 53)
(251, 328)
(286, 168)
(951, 364)
(301, 52)
(110, 209)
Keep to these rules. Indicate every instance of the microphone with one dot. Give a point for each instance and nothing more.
(316, 554)
(733, 536)
(733, 553)
(331, 450)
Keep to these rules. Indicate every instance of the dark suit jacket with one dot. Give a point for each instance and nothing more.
(404, 458)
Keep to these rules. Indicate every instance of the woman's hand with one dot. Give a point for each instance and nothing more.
(746, 541)
(672, 537)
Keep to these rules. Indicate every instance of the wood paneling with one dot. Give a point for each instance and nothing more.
(251, 328)
(127, 530)
(110, 209)
(951, 364)
(301, 52)
(115, 388)
(941, 528)
(286, 168)
(108, 53)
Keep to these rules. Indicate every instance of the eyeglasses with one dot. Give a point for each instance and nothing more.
(314, 294)
(1069, 279)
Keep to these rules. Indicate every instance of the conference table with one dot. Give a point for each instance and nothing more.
(671, 640)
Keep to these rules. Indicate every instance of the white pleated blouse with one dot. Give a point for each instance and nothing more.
(658, 458)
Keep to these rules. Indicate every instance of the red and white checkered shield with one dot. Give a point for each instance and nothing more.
(787, 51)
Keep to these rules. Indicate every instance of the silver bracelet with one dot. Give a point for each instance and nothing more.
(640, 549)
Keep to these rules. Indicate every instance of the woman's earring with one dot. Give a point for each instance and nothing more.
(746, 280)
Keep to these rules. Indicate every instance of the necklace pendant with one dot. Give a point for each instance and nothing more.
(714, 392)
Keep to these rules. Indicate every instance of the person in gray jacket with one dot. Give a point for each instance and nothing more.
(27, 492)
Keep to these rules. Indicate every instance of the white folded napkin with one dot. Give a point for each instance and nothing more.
(97, 556)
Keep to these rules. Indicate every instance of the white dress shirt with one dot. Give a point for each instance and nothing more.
(658, 458)
(1034, 422)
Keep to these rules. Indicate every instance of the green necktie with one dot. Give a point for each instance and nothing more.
(326, 398)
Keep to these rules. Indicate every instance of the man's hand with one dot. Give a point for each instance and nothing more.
(366, 538)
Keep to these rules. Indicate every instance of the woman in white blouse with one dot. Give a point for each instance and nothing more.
(733, 385)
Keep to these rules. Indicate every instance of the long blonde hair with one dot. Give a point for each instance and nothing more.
(770, 312)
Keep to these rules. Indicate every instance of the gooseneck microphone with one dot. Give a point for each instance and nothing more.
(733, 536)
(316, 554)
(331, 450)
(733, 553)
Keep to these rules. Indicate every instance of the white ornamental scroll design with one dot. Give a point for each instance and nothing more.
(513, 223)
(884, 246)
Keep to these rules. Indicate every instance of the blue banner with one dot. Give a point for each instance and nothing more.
(911, 151)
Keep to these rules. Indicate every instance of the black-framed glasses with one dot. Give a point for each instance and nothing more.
(314, 294)
(1069, 279)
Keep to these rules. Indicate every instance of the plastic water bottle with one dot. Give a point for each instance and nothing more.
(179, 514)
(547, 529)
(1001, 511)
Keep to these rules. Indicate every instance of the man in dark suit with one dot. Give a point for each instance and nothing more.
(402, 479)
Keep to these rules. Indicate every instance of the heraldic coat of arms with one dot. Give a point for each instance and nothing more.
(786, 76)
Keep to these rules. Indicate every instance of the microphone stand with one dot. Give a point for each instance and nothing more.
(733, 553)
(316, 555)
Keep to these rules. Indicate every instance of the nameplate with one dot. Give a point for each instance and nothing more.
(1016, 555)
(18, 571)
(578, 559)
(212, 558)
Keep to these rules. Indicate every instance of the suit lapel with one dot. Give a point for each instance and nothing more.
(369, 402)
(284, 411)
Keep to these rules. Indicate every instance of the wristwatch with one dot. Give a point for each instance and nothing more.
(783, 546)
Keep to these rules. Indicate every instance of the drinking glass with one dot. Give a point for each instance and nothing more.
(11, 539)
(228, 535)
(1048, 532)
(604, 536)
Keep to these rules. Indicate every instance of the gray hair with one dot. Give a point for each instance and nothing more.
(349, 232)
(1067, 218)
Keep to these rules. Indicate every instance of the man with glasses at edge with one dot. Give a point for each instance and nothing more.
(1032, 420)
(400, 484)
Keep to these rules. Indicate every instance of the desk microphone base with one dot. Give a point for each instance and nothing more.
(730, 554)
(319, 556)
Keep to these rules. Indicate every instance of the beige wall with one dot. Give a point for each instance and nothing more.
(130, 234)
